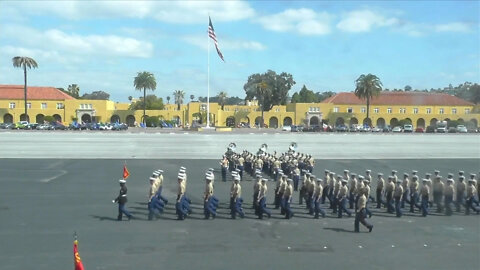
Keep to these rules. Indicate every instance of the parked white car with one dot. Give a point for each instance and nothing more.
(462, 129)
(286, 128)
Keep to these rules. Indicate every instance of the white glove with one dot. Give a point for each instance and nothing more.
(113, 201)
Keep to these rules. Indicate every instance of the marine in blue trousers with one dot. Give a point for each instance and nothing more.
(122, 200)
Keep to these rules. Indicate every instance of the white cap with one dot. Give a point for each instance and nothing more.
(181, 171)
(160, 171)
(210, 169)
(368, 171)
(183, 168)
(155, 173)
(209, 178)
(289, 180)
(152, 178)
(265, 179)
(122, 181)
(346, 171)
(181, 176)
(319, 180)
(237, 178)
(449, 180)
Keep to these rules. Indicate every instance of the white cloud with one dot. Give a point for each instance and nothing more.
(105, 45)
(302, 21)
(364, 21)
(183, 12)
(224, 44)
(453, 27)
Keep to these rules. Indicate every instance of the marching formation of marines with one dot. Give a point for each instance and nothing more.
(293, 172)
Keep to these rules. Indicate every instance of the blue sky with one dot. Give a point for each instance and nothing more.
(325, 45)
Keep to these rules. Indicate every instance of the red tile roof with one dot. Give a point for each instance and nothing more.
(400, 98)
(33, 93)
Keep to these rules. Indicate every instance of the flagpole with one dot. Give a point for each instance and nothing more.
(208, 76)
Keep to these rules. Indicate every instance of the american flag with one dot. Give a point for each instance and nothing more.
(211, 34)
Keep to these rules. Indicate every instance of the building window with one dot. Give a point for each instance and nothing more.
(467, 111)
(364, 110)
(90, 106)
(350, 110)
(389, 110)
(335, 109)
(403, 110)
(415, 110)
(429, 110)
(317, 109)
(277, 109)
(44, 105)
(59, 105)
(29, 105)
(11, 105)
(454, 111)
(375, 110)
(441, 111)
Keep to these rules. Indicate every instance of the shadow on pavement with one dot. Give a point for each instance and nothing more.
(338, 230)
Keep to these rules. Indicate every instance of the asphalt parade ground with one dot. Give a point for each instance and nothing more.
(44, 201)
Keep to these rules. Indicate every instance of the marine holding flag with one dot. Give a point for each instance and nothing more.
(76, 257)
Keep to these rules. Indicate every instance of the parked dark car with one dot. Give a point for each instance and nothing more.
(92, 126)
(419, 130)
(430, 129)
(119, 126)
(452, 130)
(32, 126)
(472, 130)
(341, 128)
(58, 126)
(296, 128)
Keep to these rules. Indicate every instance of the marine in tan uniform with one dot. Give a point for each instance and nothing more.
(389, 189)
(405, 186)
(471, 190)
(287, 199)
(449, 192)
(379, 190)
(361, 215)
(342, 199)
(425, 193)
(413, 187)
(461, 187)
(398, 194)
(438, 187)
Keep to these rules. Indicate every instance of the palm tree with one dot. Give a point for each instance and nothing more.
(178, 95)
(24, 62)
(168, 99)
(144, 80)
(192, 97)
(261, 88)
(222, 98)
(368, 86)
(74, 90)
(130, 98)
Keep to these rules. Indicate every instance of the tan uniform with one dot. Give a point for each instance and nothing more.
(389, 187)
(311, 187)
(425, 191)
(338, 185)
(461, 187)
(282, 187)
(471, 191)
(413, 186)
(259, 163)
(208, 191)
(151, 192)
(342, 193)
(181, 189)
(405, 183)
(288, 192)
(380, 183)
(449, 190)
(318, 191)
(359, 187)
(256, 186)
(353, 185)
(366, 191)
(240, 161)
(398, 192)
(236, 191)
(263, 191)
(362, 202)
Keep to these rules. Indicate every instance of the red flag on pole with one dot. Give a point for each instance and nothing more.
(76, 257)
(126, 174)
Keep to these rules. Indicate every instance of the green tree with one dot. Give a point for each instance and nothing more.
(274, 92)
(368, 86)
(324, 95)
(222, 98)
(74, 90)
(96, 95)
(152, 102)
(144, 80)
(178, 95)
(407, 88)
(168, 99)
(130, 98)
(24, 62)
(192, 97)
(304, 96)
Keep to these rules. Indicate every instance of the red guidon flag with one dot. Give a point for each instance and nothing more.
(76, 257)
(126, 174)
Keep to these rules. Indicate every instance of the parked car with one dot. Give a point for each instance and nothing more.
(408, 128)
(43, 127)
(462, 129)
(452, 130)
(92, 126)
(32, 126)
(472, 130)
(397, 129)
(386, 129)
(377, 129)
(365, 129)
(58, 125)
(430, 129)
(354, 128)
(419, 130)
(286, 128)
(441, 129)
(295, 128)
(119, 126)
(341, 128)
(21, 125)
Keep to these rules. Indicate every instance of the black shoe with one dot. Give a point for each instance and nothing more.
(130, 217)
(369, 215)
(370, 229)
(357, 231)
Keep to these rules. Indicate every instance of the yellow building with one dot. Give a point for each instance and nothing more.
(421, 109)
